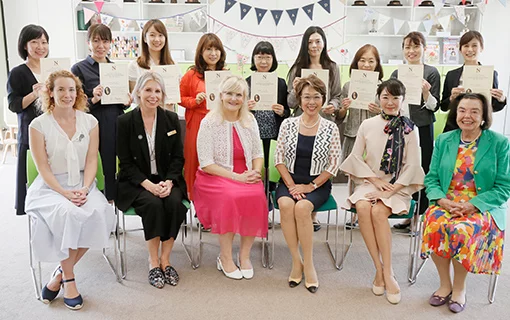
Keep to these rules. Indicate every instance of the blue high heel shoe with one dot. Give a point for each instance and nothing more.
(47, 295)
(75, 303)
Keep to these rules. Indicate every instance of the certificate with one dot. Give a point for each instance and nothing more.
(212, 86)
(170, 75)
(411, 76)
(322, 74)
(114, 79)
(264, 90)
(49, 65)
(362, 88)
(478, 79)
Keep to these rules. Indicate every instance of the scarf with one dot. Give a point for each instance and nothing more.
(397, 126)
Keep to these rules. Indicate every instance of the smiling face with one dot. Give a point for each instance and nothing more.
(368, 61)
(390, 104)
(311, 101)
(99, 47)
(154, 39)
(150, 95)
(413, 52)
(64, 92)
(263, 62)
(37, 48)
(232, 101)
(315, 45)
(211, 55)
(471, 51)
(469, 114)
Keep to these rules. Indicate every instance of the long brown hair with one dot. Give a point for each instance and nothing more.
(164, 57)
(47, 103)
(206, 41)
(361, 51)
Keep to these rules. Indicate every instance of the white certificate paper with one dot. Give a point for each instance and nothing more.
(478, 79)
(212, 86)
(362, 88)
(114, 79)
(49, 65)
(322, 74)
(171, 75)
(264, 90)
(411, 76)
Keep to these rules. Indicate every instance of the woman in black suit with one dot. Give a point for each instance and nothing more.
(471, 45)
(150, 180)
(22, 92)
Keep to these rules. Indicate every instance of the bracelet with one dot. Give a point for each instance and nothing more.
(88, 190)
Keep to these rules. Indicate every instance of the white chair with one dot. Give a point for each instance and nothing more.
(9, 139)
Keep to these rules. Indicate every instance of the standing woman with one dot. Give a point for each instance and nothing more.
(422, 115)
(99, 40)
(22, 92)
(210, 55)
(263, 59)
(471, 46)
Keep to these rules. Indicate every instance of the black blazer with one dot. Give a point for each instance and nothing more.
(133, 154)
(19, 84)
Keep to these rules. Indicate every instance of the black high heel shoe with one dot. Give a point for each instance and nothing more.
(313, 287)
(295, 282)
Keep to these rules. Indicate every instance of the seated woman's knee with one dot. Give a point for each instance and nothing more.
(286, 205)
(380, 214)
(303, 209)
(363, 207)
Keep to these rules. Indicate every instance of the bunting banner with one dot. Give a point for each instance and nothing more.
(309, 10)
(244, 10)
(106, 20)
(427, 24)
(119, 3)
(397, 25)
(124, 24)
(141, 23)
(481, 7)
(229, 4)
(292, 15)
(438, 5)
(277, 44)
(293, 43)
(277, 15)
(503, 2)
(326, 5)
(414, 25)
(88, 14)
(369, 13)
(245, 40)
(260, 14)
(230, 35)
(460, 13)
(382, 21)
(445, 22)
(99, 5)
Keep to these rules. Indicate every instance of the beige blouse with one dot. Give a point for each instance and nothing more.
(365, 161)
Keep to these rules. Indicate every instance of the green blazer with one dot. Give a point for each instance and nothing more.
(491, 172)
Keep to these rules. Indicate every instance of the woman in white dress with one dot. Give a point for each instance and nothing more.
(70, 214)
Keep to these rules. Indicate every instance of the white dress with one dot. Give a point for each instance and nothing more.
(58, 224)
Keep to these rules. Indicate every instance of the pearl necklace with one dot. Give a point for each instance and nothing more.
(469, 142)
(312, 126)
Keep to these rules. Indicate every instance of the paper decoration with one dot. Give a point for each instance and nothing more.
(88, 14)
(245, 40)
(326, 5)
(414, 25)
(369, 13)
(244, 10)
(445, 22)
(438, 5)
(141, 23)
(229, 4)
(503, 2)
(99, 5)
(481, 7)
(124, 24)
(277, 15)
(427, 24)
(229, 35)
(294, 43)
(382, 20)
(106, 19)
(277, 44)
(460, 13)
(119, 3)
(292, 15)
(308, 9)
(260, 14)
(397, 25)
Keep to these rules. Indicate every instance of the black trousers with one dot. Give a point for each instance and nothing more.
(160, 217)
(426, 134)
(21, 179)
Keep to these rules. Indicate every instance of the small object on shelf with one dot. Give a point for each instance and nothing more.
(450, 51)
(467, 18)
(129, 0)
(374, 29)
(359, 3)
(426, 3)
(466, 3)
(432, 52)
(81, 20)
(156, 1)
(190, 1)
(175, 24)
(394, 3)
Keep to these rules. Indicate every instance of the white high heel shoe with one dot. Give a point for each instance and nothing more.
(236, 275)
(247, 273)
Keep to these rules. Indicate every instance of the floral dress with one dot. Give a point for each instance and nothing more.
(475, 240)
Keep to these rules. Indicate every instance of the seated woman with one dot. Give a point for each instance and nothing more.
(150, 177)
(307, 156)
(71, 215)
(228, 192)
(384, 166)
(464, 225)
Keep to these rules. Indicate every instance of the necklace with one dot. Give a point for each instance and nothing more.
(312, 126)
(468, 142)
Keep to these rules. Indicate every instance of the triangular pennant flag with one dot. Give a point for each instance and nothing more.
(292, 15)
(119, 3)
(141, 23)
(503, 2)
(427, 24)
(229, 4)
(230, 35)
(277, 15)
(99, 5)
(88, 14)
(277, 43)
(369, 13)
(326, 5)
(293, 43)
(106, 19)
(445, 21)
(308, 9)
(382, 21)
(260, 14)
(414, 25)
(460, 13)
(397, 25)
(481, 7)
(124, 24)
(244, 9)
(438, 5)
(245, 40)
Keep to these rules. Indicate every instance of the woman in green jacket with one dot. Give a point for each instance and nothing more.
(468, 186)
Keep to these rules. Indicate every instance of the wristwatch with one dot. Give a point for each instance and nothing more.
(314, 185)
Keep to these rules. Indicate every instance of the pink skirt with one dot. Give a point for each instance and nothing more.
(226, 205)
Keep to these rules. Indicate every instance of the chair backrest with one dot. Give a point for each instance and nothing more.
(274, 175)
(32, 172)
(10, 118)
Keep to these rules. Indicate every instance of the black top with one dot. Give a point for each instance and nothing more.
(133, 154)
(19, 84)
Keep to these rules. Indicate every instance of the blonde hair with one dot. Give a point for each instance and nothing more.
(47, 103)
(234, 84)
(142, 81)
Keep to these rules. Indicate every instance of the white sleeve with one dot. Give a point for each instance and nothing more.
(37, 124)
(133, 71)
(91, 122)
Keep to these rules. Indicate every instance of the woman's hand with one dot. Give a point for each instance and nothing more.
(381, 185)
(329, 109)
(463, 209)
(37, 88)
(455, 92)
(378, 195)
(200, 97)
(277, 108)
(155, 189)
(425, 89)
(166, 188)
(294, 83)
(77, 197)
(128, 100)
(299, 191)
(249, 176)
(251, 104)
(97, 93)
(498, 94)
(374, 108)
(448, 204)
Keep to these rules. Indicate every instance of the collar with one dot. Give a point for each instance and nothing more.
(91, 61)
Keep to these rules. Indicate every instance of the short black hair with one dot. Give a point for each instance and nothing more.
(394, 86)
(29, 33)
(486, 109)
(264, 47)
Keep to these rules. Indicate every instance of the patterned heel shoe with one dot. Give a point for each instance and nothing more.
(47, 295)
(157, 278)
(171, 276)
(75, 303)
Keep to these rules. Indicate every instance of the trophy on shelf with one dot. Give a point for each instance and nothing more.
(374, 29)
(394, 3)
(192, 1)
(157, 1)
(426, 3)
(467, 18)
(359, 3)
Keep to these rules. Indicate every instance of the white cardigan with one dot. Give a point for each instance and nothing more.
(215, 142)
(326, 147)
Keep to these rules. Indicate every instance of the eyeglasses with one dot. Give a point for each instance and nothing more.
(309, 98)
(263, 58)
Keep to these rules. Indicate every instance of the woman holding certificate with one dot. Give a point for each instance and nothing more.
(307, 156)
(229, 195)
(99, 41)
(384, 166)
(22, 92)
(210, 55)
(471, 46)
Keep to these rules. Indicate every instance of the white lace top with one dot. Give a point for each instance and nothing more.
(64, 155)
(215, 144)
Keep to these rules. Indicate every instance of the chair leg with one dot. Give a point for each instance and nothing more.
(115, 267)
(493, 283)
(37, 280)
(122, 245)
(416, 264)
(268, 241)
(337, 260)
(189, 247)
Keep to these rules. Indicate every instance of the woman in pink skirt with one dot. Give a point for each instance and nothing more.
(229, 195)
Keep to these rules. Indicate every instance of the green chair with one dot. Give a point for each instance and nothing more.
(32, 173)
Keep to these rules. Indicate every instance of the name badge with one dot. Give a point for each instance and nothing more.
(171, 133)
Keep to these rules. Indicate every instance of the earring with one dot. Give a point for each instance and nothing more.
(481, 124)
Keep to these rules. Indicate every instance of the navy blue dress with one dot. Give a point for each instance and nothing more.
(302, 175)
